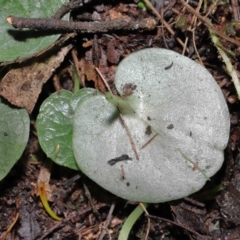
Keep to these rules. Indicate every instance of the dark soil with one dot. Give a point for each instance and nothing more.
(212, 213)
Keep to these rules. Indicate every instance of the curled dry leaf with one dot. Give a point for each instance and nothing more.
(22, 86)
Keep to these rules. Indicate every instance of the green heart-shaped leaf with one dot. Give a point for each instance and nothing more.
(14, 133)
(54, 125)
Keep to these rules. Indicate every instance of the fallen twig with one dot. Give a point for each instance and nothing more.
(89, 27)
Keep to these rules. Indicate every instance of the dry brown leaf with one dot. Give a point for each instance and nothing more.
(115, 14)
(91, 75)
(22, 86)
(87, 44)
(90, 71)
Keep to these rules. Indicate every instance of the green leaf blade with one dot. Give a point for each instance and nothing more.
(54, 126)
(14, 133)
(24, 43)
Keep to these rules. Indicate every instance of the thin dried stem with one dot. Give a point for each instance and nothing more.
(168, 27)
(203, 237)
(148, 219)
(121, 118)
(129, 136)
(104, 80)
(208, 23)
(194, 21)
(75, 61)
(107, 222)
(150, 140)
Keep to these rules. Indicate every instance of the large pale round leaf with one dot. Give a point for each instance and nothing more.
(54, 125)
(24, 43)
(14, 133)
(79, 96)
(178, 120)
